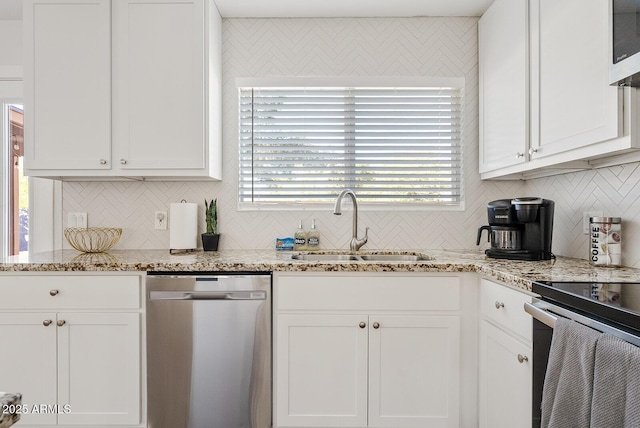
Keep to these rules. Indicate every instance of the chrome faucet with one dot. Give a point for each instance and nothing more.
(355, 242)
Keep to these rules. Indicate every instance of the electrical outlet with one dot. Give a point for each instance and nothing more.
(160, 220)
(585, 219)
(77, 220)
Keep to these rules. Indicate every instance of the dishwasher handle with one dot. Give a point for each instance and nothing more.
(208, 295)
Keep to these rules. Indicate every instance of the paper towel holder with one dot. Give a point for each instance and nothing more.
(183, 227)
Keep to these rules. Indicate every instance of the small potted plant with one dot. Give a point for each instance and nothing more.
(211, 237)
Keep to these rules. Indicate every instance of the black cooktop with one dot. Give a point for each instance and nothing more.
(616, 303)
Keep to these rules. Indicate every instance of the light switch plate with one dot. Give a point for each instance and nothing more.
(585, 219)
(77, 220)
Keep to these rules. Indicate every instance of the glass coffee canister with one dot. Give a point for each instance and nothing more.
(605, 241)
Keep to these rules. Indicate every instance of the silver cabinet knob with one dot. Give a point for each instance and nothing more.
(103, 161)
(532, 151)
(54, 292)
(61, 323)
(522, 358)
(46, 323)
(123, 161)
(519, 155)
(376, 325)
(362, 324)
(499, 305)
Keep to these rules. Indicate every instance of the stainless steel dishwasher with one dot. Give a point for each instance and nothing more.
(208, 350)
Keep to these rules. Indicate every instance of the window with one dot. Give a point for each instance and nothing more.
(391, 145)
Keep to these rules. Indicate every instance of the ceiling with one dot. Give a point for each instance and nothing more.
(12, 9)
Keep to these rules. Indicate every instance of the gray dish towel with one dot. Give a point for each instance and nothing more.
(568, 384)
(616, 386)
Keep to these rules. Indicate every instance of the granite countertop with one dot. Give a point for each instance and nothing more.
(10, 404)
(516, 273)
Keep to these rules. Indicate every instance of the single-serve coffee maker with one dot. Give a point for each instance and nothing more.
(519, 229)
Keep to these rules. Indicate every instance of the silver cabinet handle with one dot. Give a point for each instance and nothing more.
(519, 155)
(54, 292)
(60, 323)
(123, 161)
(499, 305)
(362, 324)
(46, 323)
(522, 358)
(103, 161)
(376, 325)
(532, 151)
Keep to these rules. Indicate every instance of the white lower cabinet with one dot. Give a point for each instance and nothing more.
(322, 370)
(414, 368)
(505, 387)
(73, 367)
(372, 351)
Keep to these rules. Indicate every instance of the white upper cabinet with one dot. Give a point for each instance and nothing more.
(67, 58)
(504, 89)
(575, 104)
(567, 117)
(140, 98)
(158, 70)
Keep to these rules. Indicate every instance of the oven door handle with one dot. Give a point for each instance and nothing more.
(540, 314)
(548, 314)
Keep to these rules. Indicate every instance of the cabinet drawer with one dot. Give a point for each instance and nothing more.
(69, 292)
(505, 306)
(367, 293)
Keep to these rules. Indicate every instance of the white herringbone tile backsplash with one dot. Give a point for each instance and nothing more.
(403, 47)
(615, 191)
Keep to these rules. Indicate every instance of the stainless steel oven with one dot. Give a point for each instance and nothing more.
(612, 308)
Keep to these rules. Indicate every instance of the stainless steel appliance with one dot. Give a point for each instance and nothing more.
(624, 67)
(612, 308)
(208, 350)
(519, 229)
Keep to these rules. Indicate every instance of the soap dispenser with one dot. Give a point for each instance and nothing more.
(300, 238)
(313, 237)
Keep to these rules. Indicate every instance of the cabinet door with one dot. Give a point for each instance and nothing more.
(321, 371)
(574, 106)
(99, 368)
(28, 362)
(504, 84)
(414, 371)
(159, 90)
(505, 380)
(67, 75)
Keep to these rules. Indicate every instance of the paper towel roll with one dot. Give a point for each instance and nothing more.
(183, 226)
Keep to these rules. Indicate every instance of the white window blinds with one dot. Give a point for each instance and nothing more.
(389, 145)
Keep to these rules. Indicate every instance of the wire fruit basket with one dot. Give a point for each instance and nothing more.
(92, 239)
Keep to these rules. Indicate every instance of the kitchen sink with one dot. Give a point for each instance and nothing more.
(325, 257)
(394, 257)
(366, 257)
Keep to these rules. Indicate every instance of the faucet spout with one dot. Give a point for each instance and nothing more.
(355, 243)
